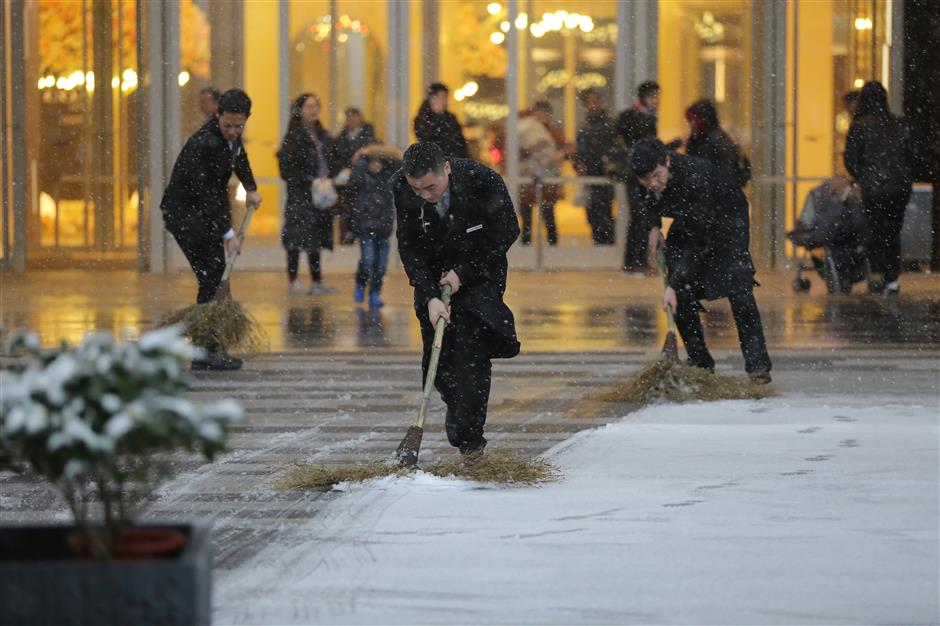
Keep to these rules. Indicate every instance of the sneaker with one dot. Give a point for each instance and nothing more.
(295, 288)
(892, 289)
(321, 289)
(359, 294)
(216, 362)
(375, 301)
(760, 377)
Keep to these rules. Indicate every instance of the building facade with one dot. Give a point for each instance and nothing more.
(99, 95)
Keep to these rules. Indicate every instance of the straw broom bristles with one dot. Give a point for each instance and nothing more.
(223, 323)
(496, 467)
(665, 379)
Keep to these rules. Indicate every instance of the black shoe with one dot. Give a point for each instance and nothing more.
(216, 362)
(474, 449)
(760, 377)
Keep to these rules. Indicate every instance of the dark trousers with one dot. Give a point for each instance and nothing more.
(464, 373)
(746, 318)
(293, 264)
(600, 214)
(373, 261)
(547, 213)
(885, 217)
(206, 256)
(635, 253)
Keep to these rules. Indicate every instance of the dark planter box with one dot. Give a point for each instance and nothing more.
(41, 583)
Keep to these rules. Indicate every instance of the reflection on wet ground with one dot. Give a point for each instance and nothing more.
(555, 311)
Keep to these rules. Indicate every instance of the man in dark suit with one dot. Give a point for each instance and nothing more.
(455, 224)
(707, 252)
(196, 207)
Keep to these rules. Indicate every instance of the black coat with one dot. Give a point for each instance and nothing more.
(195, 203)
(305, 227)
(373, 212)
(472, 239)
(717, 147)
(634, 124)
(344, 146)
(879, 156)
(596, 139)
(707, 248)
(442, 129)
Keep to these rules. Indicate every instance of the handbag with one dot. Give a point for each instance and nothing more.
(324, 193)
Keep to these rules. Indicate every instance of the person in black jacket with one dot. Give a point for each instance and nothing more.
(196, 207)
(709, 141)
(355, 135)
(878, 155)
(436, 124)
(635, 123)
(373, 216)
(303, 158)
(456, 223)
(595, 140)
(707, 251)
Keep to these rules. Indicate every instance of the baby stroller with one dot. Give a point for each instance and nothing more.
(831, 232)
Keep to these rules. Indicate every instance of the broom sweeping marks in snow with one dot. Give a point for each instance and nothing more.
(407, 452)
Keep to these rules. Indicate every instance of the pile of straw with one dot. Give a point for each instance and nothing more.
(665, 379)
(223, 323)
(494, 467)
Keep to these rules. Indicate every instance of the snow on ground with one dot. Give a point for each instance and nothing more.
(788, 511)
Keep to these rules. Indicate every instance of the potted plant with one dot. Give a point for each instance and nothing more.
(101, 422)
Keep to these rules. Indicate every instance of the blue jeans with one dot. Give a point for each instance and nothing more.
(373, 261)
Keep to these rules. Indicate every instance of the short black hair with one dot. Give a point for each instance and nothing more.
(353, 111)
(646, 155)
(585, 94)
(542, 105)
(214, 93)
(235, 101)
(434, 88)
(647, 88)
(421, 158)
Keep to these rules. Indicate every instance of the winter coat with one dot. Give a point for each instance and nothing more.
(596, 140)
(634, 124)
(710, 142)
(305, 227)
(472, 239)
(878, 149)
(442, 129)
(373, 213)
(195, 203)
(538, 144)
(707, 247)
(344, 146)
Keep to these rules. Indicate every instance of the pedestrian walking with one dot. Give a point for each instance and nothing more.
(709, 141)
(436, 124)
(542, 149)
(879, 156)
(637, 122)
(195, 205)
(595, 141)
(303, 163)
(455, 225)
(373, 217)
(707, 250)
(355, 134)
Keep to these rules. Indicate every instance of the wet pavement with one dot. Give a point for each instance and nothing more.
(341, 383)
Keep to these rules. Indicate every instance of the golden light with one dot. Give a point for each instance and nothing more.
(859, 83)
(522, 20)
(459, 95)
(494, 8)
(89, 81)
(586, 24)
(537, 30)
(863, 23)
(504, 26)
(342, 38)
(497, 38)
(128, 80)
(572, 20)
(470, 88)
(77, 78)
(184, 78)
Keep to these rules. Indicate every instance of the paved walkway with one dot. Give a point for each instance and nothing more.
(341, 383)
